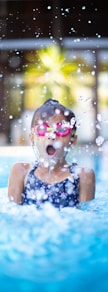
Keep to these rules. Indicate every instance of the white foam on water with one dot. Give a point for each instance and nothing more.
(49, 244)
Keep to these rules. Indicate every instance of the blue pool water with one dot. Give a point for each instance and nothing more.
(52, 251)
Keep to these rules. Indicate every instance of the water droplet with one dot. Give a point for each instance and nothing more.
(99, 118)
(99, 140)
(83, 7)
(10, 117)
(49, 7)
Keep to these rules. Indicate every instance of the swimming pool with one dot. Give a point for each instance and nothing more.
(52, 251)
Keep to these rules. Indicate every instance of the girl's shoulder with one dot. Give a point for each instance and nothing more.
(81, 171)
(86, 172)
(20, 168)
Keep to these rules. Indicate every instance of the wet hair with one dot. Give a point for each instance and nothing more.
(50, 108)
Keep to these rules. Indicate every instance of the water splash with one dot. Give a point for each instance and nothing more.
(51, 247)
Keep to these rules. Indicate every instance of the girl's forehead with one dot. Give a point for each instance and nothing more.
(56, 118)
(51, 119)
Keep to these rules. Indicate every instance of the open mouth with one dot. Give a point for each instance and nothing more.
(50, 150)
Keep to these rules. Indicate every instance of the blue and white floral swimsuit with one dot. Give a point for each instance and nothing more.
(60, 195)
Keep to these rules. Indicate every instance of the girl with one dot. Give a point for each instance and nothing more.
(51, 178)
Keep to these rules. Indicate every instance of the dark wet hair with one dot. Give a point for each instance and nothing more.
(50, 108)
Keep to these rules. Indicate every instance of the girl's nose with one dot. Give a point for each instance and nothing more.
(51, 135)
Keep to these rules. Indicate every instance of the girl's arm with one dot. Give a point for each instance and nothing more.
(16, 182)
(87, 185)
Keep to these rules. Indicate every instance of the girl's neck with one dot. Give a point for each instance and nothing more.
(52, 175)
(61, 166)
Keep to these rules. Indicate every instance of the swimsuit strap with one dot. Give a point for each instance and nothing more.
(72, 167)
(34, 166)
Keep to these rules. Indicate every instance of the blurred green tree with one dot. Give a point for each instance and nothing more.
(49, 74)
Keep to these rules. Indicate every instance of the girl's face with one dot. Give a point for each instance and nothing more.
(52, 141)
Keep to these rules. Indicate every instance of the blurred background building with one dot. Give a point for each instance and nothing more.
(53, 49)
